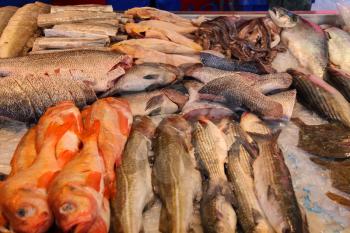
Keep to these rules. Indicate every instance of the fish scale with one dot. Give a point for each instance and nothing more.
(40, 89)
(75, 91)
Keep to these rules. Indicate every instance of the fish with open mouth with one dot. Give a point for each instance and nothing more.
(175, 178)
(321, 97)
(134, 179)
(272, 180)
(237, 93)
(147, 76)
(304, 39)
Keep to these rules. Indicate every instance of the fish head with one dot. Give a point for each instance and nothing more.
(283, 18)
(28, 211)
(74, 207)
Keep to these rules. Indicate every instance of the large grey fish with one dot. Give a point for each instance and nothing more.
(144, 77)
(165, 101)
(238, 93)
(340, 80)
(217, 211)
(263, 83)
(339, 48)
(273, 183)
(134, 179)
(321, 97)
(97, 68)
(211, 60)
(175, 177)
(304, 39)
(26, 98)
(240, 172)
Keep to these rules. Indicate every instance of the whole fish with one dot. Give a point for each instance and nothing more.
(159, 45)
(339, 48)
(238, 93)
(273, 183)
(217, 211)
(263, 83)
(30, 212)
(321, 97)
(25, 153)
(77, 192)
(115, 120)
(175, 177)
(145, 77)
(330, 141)
(304, 39)
(156, 102)
(240, 173)
(111, 66)
(213, 61)
(134, 179)
(340, 80)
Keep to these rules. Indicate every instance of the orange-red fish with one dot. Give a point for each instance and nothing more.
(76, 195)
(115, 118)
(23, 199)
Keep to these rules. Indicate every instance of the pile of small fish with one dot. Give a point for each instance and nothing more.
(186, 89)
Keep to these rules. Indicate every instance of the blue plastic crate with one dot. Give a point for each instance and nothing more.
(169, 5)
(19, 2)
(249, 5)
(122, 5)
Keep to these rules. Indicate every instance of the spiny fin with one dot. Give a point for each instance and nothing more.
(45, 179)
(154, 101)
(93, 180)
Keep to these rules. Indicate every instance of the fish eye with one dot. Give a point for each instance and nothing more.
(25, 212)
(67, 208)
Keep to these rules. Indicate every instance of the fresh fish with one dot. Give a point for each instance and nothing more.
(240, 172)
(287, 99)
(196, 108)
(339, 172)
(213, 61)
(339, 48)
(153, 56)
(262, 83)
(175, 177)
(217, 211)
(159, 45)
(321, 97)
(111, 66)
(304, 39)
(76, 194)
(340, 80)
(330, 141)
(30, 212)
(25, 153)
(273, 183)
(115, 120)
(134, 179)
(167, 25)
(156, 102)
(238, 93)
(145, 77)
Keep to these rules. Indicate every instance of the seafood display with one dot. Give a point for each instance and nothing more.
(147, 121)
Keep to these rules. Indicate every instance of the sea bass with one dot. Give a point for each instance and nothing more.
(273, 183)
(211, 151)
(321, 97)
(134, 179)
(111, 66)
(171, 172)
(115, 120)
(304, 39)
(240, 173)
(77, 192)
(158, 102)
(145, 77)
(339, 48)
(238, 93)
(30, 212)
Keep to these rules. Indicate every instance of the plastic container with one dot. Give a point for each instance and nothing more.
(19, 3)
(249, 5)
(122, 5)
(169, 5)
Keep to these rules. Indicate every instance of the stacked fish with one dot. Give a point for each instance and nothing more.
(63, 169)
